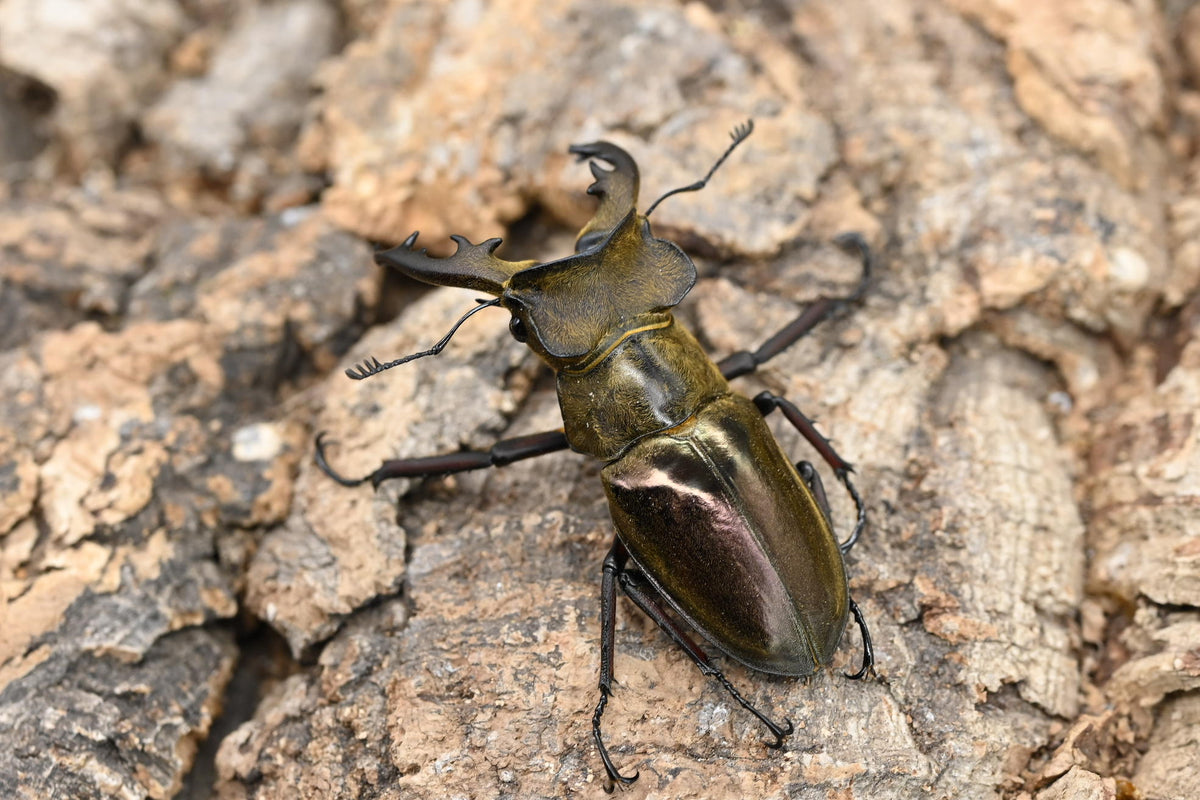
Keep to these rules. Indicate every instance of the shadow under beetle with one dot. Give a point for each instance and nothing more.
(711, 516)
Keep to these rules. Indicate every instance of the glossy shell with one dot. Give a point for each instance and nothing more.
(721, 523)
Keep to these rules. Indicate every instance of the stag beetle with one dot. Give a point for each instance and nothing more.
(711, 516)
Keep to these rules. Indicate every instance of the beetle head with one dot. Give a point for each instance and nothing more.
(568, 308)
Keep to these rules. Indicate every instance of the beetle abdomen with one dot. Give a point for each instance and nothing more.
(720, 522)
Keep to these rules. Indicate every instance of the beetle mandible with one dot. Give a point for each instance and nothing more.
(711, 516)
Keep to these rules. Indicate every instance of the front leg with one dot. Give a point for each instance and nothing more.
(503, 452)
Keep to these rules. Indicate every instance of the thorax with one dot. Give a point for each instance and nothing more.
(641, 381)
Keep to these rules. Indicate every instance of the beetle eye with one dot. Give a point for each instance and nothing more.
(517, 328)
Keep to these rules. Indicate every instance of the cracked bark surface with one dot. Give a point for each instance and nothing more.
(1017, 390)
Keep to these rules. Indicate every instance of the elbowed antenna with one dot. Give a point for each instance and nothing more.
(372, 366)
(739, 135)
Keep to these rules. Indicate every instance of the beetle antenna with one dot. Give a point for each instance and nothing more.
(372, 366)
(738, 135)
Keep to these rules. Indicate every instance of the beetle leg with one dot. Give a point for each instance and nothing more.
(640, 592)
(868, 662)
(861, 519)
(744, 362)
(503, 452)
(767, 403)
(614, 564)
(812, 479)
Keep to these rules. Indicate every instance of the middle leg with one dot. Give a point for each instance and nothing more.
(768, 402)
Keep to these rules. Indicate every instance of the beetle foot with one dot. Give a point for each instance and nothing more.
(855, 241)
(868, 670)
(860, 515)
(776, 730)
(780, 734)
(868, 662)
(330, 471)
(614, 778)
